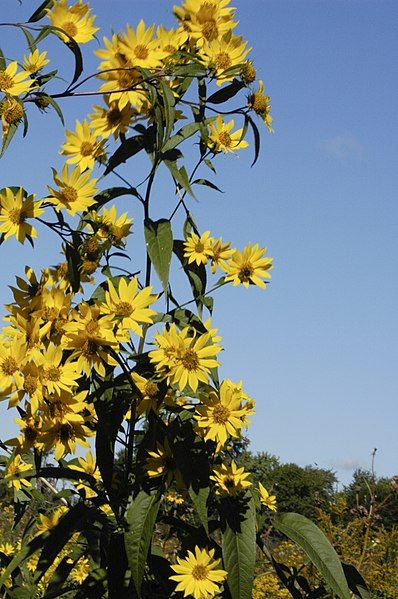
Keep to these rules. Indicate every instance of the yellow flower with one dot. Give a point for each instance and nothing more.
(74, 20)
(248, 267)
(12, 361)
(7, 548)
(222, 413)
(222, 54)
(229, 479)
(14, 210)
(198, 574)
(222, 140)
(76, 190)
(189, 360)
(89, 334)
(170, 40)
(54, 375)
(206, 20)
(46, 523)
(81, 570)
(35, 61)
(62, 434)
(174, 497)
(219, 251)
(129, 305)
(149, 390)
(260, 103)
(140, 47)
(31, 430)
(111, 226)
(13, 83)
(266, 499)
(87, 465)
(83, 146)
(198, 249)
(111, 120)
(11, 112)
(15, 468)
(162, 463)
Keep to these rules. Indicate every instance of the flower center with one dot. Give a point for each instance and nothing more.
(199, 247)
(113, 117)
(123, 309)
(69, 193)
(220, 414)
(70, 28)
(170, 49)
(229, 482)
(225, 139)
(126, 80)
(223, 61)
(141, 52)
(30, 384)
(11, 111)
(190, 359)
(53, 373)
(210, 30)
(206, 12)
(199, 572)
(30, 433)
(65, 432)
(245, 272)
(9, 366)
(5, 81)
(259, 103)
(16, 216)
(89, 349)
(92, 327)
(49, 313)
(151, 389)
(86, 149)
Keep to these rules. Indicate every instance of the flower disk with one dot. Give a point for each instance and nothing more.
(198, 574)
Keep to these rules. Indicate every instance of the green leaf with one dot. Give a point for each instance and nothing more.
(239, 549)
(140, 517)
(196, 273)
(8, 137)
(128, 148)
(169, 110)
(256, 135)
(180, 175)
(74, 48)
(40, 12)
(159, 243)
(355, 582)
(207, 183)
(226, 93)
(56, 107)
(313, 541)
(199, 499)
(30, 39)
(181, 135)
(2, 61)
(73, 260)
(112, 193)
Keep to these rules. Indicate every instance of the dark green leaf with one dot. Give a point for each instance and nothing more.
(8, 137)
(199, 499)
(128, 148)
(3, 64)
(56, 107)
(256, 135)
(29, 39)
(313, 541)
(180, 175)
(226, 93)
(355, 582)
(159, 243)
(112, 193)
(181, 135)
(169, 110)
(207, 183)
(140, 517)
(239, 551)
(40, 12)
(74, 261)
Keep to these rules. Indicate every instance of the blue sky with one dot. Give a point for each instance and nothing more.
(318, 349)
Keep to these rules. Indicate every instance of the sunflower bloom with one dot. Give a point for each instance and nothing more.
(140, 47)
(54, 375)
(206, 21)
(129, 305)
(162, 463)
(198, 249)
(14, 210)
(16, 467)
(248, 267)
(222, 413)
(225, 53)
(87, 465)
(12, 361)
(111, 226)
(11, 112)
(185, 360)
(50, 521)
(111, 120)
(229, 479)
(35, 61)
(76, 190)
(266, 499)
(83, 146)
(74, 20)
(219, 251)
(198, 574)
(13, 83)
(221, 139)
(149, 391)
(260, 103)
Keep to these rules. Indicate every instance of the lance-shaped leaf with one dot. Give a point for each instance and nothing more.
(159, 243)
(239, 548)
(181, 135)
(140, 517)
(312, 540)
(107, 195)
(355, 582)
(199, 499)
(128, 148)
(180, 175)
(40, 12)
(226, 93)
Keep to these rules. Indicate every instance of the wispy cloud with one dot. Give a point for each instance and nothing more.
(347, 464)
(343, 147)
